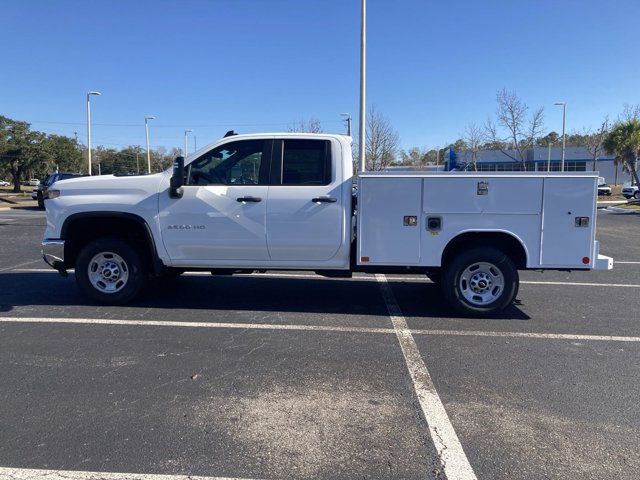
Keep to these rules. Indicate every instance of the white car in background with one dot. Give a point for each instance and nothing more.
(631, 191)
(33, 182)
(4, 184)
(603, 188)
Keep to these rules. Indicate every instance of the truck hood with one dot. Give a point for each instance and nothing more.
(110, 185)
(135, 195)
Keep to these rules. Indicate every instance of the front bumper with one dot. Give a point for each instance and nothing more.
(53, 253)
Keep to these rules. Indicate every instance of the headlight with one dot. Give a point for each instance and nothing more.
(53, 194)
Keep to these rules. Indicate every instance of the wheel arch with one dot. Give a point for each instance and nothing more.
(80, 228)
(506, 241)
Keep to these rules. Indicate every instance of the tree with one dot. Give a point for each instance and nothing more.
(313, 126)
(21, 149)
(414, 156)
(63, 153)
(512, 128)
(383, 142)
(624, 142)
(473, 139)
(594, 141)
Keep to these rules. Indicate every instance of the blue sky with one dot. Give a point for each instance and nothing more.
(258, 65)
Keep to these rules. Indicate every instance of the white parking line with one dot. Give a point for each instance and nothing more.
(625, 263)
(455, 464)
(314, 328)
(20, 265)
(549, 336)
(168, 323)
(583, 284)
(37, 474)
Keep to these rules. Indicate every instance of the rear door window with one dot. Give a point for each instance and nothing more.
(306, 162)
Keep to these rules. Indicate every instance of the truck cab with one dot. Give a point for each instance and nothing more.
(286, 201)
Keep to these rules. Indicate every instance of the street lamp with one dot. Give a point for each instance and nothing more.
(363, 65)
(564, 122)
(89, 126)
(186, 138)
(146, 129)
(348, 120)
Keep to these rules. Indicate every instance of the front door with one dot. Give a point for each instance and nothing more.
(221, 215)
(305, 215)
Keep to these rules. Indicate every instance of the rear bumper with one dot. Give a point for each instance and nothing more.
(602, 262)
(53, 253)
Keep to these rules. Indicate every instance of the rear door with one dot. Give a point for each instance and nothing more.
(304, 209)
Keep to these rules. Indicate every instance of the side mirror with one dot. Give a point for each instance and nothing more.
(177, 179)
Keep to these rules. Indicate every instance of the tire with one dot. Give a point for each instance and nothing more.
(637, 195)
(40, 201)
(481, 281)
(109, 271)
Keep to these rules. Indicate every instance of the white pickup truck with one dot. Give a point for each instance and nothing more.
(260, 202)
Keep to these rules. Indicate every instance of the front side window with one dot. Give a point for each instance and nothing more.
(306, 162)
(236, 163)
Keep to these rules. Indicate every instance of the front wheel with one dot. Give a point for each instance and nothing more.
(480, 281)
(637, 195)
(109, 271)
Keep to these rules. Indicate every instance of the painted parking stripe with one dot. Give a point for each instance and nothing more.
(313, 328)
(168, 323)
(454, 461)
(37, 474)
(6, 269)
(582, 284)
(548, 336)
(356, 277)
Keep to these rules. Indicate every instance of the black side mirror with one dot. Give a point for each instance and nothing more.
(177, 179)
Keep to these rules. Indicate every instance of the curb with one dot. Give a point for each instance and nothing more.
(623, 211)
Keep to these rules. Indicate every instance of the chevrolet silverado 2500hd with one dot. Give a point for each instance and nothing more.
(285, 201)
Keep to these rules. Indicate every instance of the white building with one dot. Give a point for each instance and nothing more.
(541, 159)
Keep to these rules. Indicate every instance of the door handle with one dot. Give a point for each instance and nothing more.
(249, 199)
(324, 200)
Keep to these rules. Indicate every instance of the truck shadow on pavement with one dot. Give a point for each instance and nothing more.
(237, 293)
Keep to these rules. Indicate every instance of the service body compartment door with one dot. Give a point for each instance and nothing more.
(389, 221)
(564, 244)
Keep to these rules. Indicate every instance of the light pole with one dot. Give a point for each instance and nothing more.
(363, 64)
(146, 129)
(186, 138)
(348, 120)
(89, 127)
(548, 156)
(564, 122)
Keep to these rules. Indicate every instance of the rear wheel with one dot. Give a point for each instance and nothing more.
(480, 281)
(637, 195)
(109, 271)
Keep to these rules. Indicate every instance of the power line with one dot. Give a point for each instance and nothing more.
(228, 124)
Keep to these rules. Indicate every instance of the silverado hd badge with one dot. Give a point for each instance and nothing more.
(186, 227)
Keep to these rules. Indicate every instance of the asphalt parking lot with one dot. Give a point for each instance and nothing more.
(289, 375)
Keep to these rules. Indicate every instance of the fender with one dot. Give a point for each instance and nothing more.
(157, 263)
(488, 231)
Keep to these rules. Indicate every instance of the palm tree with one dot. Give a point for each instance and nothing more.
(624, 142)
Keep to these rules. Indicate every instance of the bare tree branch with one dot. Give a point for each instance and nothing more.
(519, 133)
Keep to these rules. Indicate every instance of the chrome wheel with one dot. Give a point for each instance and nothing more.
(108, 272)
(481, 283)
